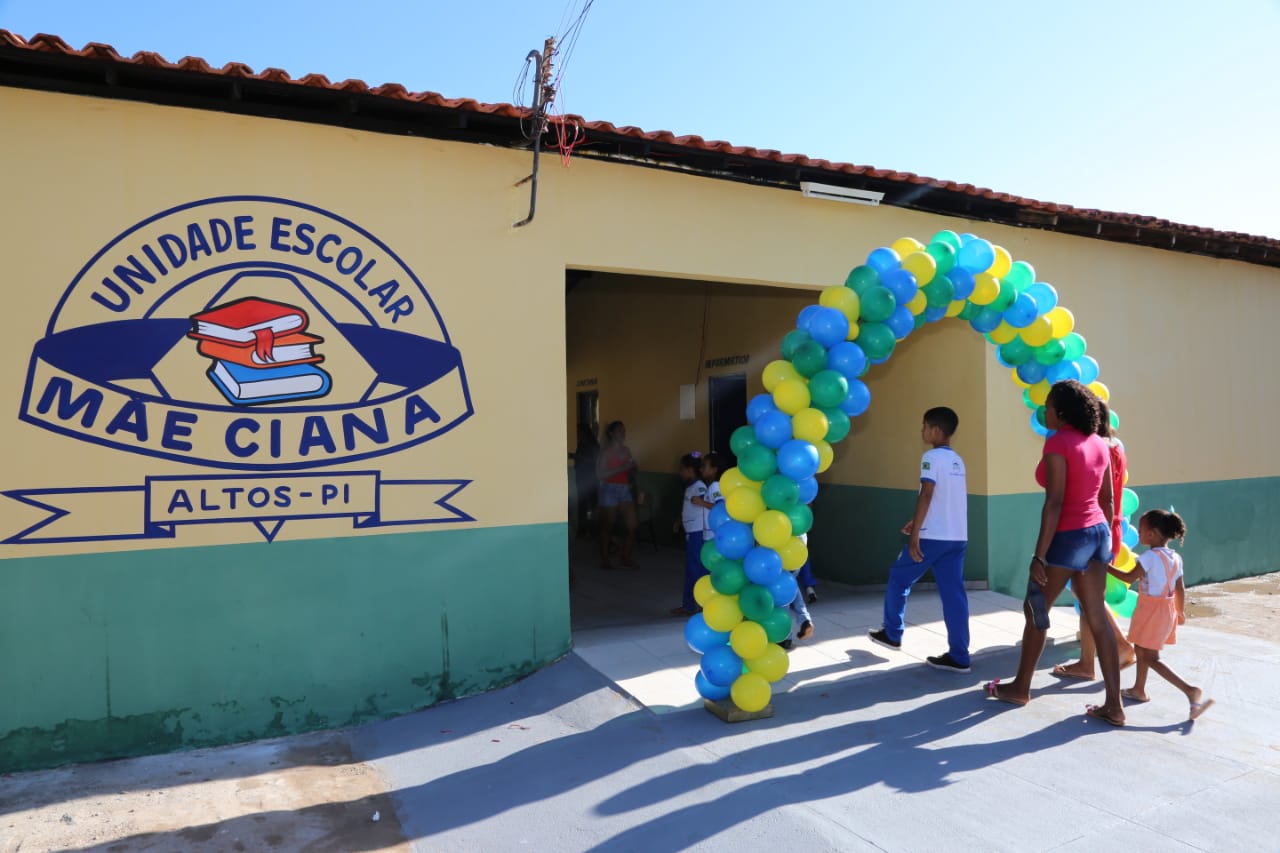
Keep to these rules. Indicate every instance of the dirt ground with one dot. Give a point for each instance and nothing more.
(308, 793)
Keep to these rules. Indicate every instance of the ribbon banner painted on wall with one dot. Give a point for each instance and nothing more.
(248, 333)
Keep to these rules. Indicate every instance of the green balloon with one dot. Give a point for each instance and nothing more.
(944, 255)
(1040, 416)
(1027, 401)
(1074, 346)
(756, 602)
(758, 462)
(951, 238)
(780, 492)
(801, 518)
(876, 340)
(1115, 592)
(828, 388)
(743, 437)
(877, 304)
(860, 278)
(810, 357)
(918, 320)
(777, 625)
(711, 556)
(792, 340)
(1051, 352)
(1020, 275)
(1005, 298)
(1125, 608)
(729, 578)
(969, 311)
(838, 425)
(1129, 502)
(1115, 421)
(940, 292)
(1016, 352)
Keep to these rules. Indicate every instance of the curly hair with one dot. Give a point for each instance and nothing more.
(1104, 419)
(1166, 522)
(1075, 405)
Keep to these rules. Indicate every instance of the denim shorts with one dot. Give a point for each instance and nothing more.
(1074, 549)
(616, 494)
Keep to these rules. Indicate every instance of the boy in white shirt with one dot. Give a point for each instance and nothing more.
(693, 521)
(939, 534)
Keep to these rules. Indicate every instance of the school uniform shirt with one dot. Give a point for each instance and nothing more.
(713, 497)
(948, 515)
(692, 516)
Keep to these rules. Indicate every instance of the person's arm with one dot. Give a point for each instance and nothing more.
(917, 521)
(1181, 595)
(1055, 485)
(1137, 573)
(1106, 500)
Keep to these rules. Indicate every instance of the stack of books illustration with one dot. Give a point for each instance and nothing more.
(261, 352)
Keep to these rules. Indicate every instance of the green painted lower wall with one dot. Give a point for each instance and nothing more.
(148, 651)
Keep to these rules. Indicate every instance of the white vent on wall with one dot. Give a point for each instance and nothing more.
(834, 193)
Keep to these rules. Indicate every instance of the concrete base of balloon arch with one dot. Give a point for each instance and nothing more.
(731, 713)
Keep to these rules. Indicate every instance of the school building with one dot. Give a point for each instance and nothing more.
(290, 395)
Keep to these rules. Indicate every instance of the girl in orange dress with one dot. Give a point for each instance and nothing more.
(1161, 597)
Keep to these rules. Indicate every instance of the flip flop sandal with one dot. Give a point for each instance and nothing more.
(1128, 694)
(1095, 711)
(1060, 671)
(1198, 708)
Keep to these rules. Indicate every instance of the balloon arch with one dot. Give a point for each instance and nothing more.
(814, 390)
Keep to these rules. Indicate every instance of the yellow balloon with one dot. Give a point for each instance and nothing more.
(750, 692)
(744, 505)
(772, 529)
(1040, 332)
(921, 265)
(1124, 558)
(810, 425)
(776, 372)
(791, 395)
(842, 299)
(1013, 373)
(1003, 333)
(853, 331)
(748, 639)
(733, 479)
(1062, 321)
(1126, 478)
(906, 245)
(956, 306)
(703, 591)
(826, 455)
(722, 613)
(918, 303)
(772, 663)
(1040, 392)
(985, 289)
(1002, 264)
(1103, 392)
(793, 552)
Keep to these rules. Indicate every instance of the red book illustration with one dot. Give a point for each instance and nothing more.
(292, 348)
(249, 322)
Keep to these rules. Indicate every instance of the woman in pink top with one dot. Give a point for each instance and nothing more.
(1074, 545)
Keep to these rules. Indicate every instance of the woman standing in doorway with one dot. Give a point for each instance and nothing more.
(615, 468)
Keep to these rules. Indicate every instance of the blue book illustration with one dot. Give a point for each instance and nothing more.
(248, 386)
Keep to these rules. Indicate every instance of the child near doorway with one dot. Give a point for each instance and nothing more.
(693, 521)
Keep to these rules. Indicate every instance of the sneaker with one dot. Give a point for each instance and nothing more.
(806, 630)
(880, 637)
(810, 594)
(786, 644)
(945, 661)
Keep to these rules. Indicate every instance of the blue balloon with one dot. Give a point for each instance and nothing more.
(964, 283)
(760, 405)
(783, 589)
(1129, 534)
(805, 317)
(1022, 312)
(847, 359)
(986, 320)
(808, 489)
(880, 360)
(1062, 371)
(828, 326)
(773, 429)
(762, 565)
(975, 256)
(721, 666)
(933, 315)
(718, 515)
(734, 539)
(1089, 369)
(857, 400)
(966, 238)
(884, 259)
(1031, 371)
(1039, 428)
(901, 322)
(901, 283)
(707, 690)
(701, 637)
(1045, 296)
(797, 459)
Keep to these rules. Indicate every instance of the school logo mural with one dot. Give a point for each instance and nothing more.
(253, 334)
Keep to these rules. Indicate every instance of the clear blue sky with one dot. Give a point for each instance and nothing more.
(1167, 109)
